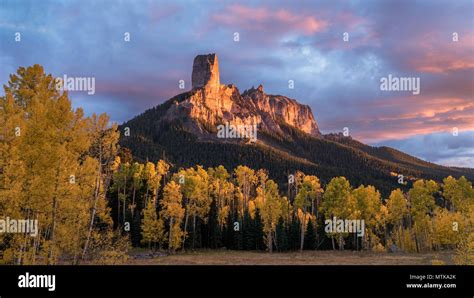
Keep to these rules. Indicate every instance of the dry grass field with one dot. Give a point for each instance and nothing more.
(229, 257)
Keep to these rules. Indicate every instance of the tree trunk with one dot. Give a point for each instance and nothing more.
(50, 253)
(53, 215)
(270, 244)
(133, 200)
(170, 249)
(302, 232)
(118, 207)
(35, 244)
(124, 197)
(146, 195)
(94, 210)
(341, 243)
(356, 240)
(194, 229)
(20, 259)
(185, 229)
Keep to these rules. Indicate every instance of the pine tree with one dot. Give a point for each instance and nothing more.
(294, 233)
(229, 233)
(310, 236)
(213, 227)
(281, 236)
(258, 234)
(248, 232)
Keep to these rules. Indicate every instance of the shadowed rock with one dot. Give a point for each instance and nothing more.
(206, 71)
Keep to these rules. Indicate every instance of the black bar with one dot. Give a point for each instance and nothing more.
(220, 281)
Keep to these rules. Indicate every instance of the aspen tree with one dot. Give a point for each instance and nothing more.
(173, 212)
(338, 202)
(309, 191)
(271, 211)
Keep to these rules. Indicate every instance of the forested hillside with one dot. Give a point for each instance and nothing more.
(152, 137)
(93, 200)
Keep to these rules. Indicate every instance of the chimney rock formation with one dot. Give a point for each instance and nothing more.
(212, 103)
(206, 73)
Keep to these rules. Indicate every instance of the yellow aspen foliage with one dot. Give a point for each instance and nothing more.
(397, 207)
(368, 206)
(271, 211)
(421, 206)
(49, 170)
(197, 197)
(153, 231)
(448, 228)
(246, 179)
(459, 193)
(339, 202)
(173, 212)
(222, 191)
(252, 207)
(309, 192)
(464, 254)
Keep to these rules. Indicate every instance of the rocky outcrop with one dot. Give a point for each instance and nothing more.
(212, 103)
(284, 109)
(206, 74)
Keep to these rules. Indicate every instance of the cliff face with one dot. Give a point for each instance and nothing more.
(184, 129)
(213, 103)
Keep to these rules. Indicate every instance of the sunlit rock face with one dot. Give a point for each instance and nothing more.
(206, 73)
(282, 108)
(211, 103)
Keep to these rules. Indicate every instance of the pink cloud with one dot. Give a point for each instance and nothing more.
(409, 116)
(160, 12)
(263, 18)
(440, 64)
(439, 54)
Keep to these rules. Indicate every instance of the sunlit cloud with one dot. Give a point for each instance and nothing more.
(279, 40)
(268, 19)
(440, 54)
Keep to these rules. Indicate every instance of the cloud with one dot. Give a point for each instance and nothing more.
(440, 148)
(439, 54)
(267, 20)
(278, 42)
(403, 117)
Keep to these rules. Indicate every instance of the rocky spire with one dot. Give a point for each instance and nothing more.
(213, 103)
(206, 72)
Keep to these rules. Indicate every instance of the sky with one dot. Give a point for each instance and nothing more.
(278, 41)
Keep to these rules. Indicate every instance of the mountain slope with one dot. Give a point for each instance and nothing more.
(184, 130)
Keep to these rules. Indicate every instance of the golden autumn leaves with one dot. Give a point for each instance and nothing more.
(62, 168)
(55, 167)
